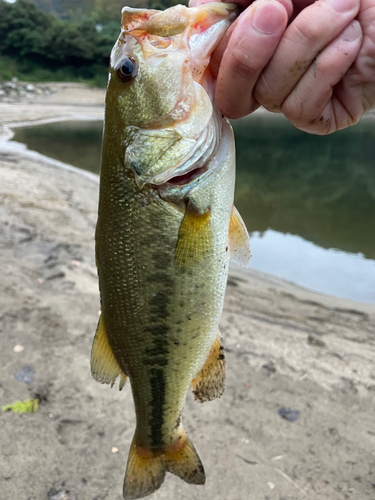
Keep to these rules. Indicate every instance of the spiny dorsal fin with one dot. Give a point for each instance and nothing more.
(239, 244)
(104, 367)
(194, 239)
(145, 471)
(209, 384)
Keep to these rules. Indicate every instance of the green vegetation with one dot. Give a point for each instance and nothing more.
(61, 40)
(27, 406)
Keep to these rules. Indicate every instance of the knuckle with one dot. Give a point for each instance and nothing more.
(308, 31)
(320, 125)
(243, 65)
(294, 110)
(265, 94)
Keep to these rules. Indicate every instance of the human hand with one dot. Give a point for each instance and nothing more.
(319, 72)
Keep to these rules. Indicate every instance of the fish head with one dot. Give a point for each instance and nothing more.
(160, 89)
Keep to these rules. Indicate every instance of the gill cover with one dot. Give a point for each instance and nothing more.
(167, 120)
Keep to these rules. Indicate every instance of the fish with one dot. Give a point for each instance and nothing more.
(166, 231)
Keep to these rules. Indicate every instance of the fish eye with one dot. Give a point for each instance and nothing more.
(126, 69)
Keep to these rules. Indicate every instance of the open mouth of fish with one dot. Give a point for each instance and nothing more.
(183, 180)
(197, 164)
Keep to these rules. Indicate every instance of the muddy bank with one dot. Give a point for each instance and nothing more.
(296, 420)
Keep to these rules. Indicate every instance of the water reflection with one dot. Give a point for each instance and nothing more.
(331, 271)
(77, 143)
(321, 189)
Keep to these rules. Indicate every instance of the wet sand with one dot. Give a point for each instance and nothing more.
(286, 347)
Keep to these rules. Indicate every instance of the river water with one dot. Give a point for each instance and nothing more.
(308, 201)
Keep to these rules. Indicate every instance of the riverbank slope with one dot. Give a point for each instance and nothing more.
(287, 349)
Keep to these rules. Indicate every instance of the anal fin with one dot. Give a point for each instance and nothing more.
(104, 367)
(209, 384)
(239, 244)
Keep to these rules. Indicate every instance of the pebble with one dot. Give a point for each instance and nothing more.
(61, 495)
(288, 414)
(316, 341)
(25, 374)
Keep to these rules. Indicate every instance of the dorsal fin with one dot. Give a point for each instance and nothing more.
(239, 244)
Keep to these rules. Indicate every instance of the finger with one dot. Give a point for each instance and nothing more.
(357, 89)
(244, 3)
(299, 5)
(309, 33)
(309, 105)
(219, 51)
(241, 3)
(251, 45)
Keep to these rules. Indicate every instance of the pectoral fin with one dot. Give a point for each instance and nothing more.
(104, 367)
(209, 384)
(239, 244)
(194, 239)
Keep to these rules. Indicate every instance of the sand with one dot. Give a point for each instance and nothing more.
(286, 347)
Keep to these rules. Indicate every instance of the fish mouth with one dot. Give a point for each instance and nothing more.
(196, 163)
(183, 180)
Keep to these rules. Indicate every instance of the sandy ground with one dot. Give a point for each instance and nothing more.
(286, 348)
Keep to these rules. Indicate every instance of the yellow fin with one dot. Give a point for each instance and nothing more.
(146, 469)
(194, 239)
(182, 460)
(209, 384)
(104, 367)
(239, 244)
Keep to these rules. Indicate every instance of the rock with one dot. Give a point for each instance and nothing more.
(288, 414)
(270, 367)
(9, 86)
(30, 88)
(61, 494)
(26, 374)
(315, 340)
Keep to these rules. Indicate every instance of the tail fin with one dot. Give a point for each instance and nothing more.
(146, 469)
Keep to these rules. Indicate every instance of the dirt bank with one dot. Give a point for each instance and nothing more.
(286, 348)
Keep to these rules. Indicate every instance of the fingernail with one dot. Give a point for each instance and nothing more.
(352, 32)
(268, 18)
(344, 5)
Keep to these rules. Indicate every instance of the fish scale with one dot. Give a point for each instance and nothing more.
(143, 273)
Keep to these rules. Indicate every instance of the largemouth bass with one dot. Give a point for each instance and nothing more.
(166, 230)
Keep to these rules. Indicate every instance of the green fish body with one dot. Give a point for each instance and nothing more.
(165, 231)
